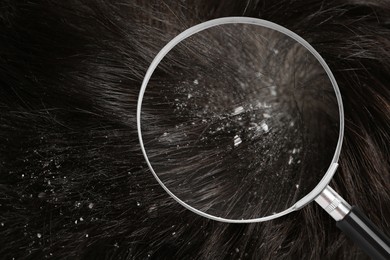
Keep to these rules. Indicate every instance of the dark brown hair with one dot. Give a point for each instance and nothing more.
(73, 181)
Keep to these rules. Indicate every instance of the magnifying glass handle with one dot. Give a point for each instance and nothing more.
(355, 225)
(365, 234)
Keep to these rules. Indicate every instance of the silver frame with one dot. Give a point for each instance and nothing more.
(319, 191)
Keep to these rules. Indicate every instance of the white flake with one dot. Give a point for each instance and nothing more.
(264, 126)
(237, 140)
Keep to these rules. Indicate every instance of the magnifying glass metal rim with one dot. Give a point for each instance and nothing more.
(259, 22)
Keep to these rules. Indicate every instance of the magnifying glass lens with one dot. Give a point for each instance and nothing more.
(239, 121)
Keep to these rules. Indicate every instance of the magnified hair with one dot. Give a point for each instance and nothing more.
(248, 120)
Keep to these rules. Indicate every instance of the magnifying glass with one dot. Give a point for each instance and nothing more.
(241, 120)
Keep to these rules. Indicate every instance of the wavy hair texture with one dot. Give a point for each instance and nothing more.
(73, 181)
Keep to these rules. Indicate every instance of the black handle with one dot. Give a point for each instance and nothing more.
(365, 234)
